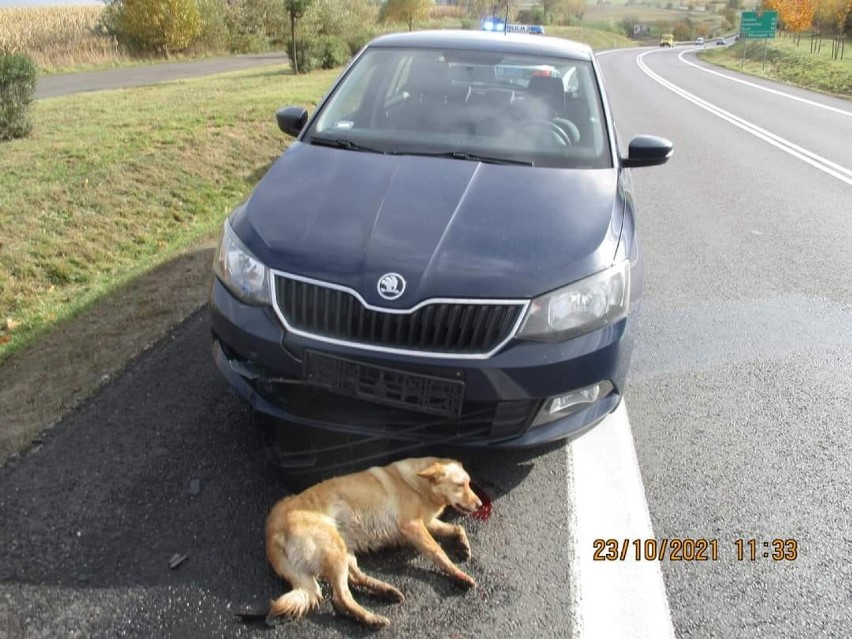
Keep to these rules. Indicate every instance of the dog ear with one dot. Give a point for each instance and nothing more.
(434, 473)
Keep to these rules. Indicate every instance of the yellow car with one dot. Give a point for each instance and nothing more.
(667, 40)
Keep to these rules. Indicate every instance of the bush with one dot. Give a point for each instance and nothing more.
(17, 88)
(358, 42)
(248, 43)
(253, 20)
(534, 15)
(308, 53)
(214, 35)
(352, 21)
(158, 26)
(315, 52)
(335, 52)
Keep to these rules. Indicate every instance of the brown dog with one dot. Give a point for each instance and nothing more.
(317, 532)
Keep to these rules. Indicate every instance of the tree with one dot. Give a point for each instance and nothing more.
(408, 11)
(295, 9)
(796, 15)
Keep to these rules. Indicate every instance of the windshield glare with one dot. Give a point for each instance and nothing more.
(527, 108)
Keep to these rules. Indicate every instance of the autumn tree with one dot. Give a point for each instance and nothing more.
(407, 11)
(295, 9)
(798, 15)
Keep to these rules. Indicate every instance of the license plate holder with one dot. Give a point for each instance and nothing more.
(388, 386)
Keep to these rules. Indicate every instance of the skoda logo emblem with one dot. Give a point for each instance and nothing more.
(391, 286)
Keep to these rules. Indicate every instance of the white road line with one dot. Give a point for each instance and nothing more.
(817, 161)
(618, 599)
(753, 85)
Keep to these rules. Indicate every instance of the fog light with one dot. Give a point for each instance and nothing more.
(564, 405)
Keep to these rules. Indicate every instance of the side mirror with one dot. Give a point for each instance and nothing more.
(291, 120)
(647, 150)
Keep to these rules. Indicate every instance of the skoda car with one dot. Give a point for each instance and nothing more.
(446, 253)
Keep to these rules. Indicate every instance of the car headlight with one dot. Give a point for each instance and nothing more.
(243, 274)
(581, 307)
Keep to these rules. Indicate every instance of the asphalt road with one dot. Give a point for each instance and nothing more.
(90, 520)
(739, 406)
(51, 86)
(740, 400)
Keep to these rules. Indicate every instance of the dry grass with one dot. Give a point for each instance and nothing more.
(57, 37)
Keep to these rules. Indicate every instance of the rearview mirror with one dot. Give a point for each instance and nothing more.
(291, 120)
(647, 150)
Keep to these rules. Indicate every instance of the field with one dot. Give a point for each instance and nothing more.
(57, 37)
(611, 17)
(790, 63)
(595, 38)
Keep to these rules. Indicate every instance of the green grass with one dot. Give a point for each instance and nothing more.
(110, 184)
(790, 63)
(596, 38)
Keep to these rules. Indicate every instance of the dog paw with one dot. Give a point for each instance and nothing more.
(376, 621)
(462, 550)
(394, 595)
(464, 581)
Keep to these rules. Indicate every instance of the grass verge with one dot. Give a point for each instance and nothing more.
(787, 62)
(111, 184)
(595, 38)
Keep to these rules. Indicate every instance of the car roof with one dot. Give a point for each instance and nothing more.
(516, 43)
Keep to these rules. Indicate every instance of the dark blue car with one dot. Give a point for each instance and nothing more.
(447, 253)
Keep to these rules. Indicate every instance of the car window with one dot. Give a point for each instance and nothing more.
(536, 109)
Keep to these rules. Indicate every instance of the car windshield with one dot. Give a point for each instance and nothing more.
(471, 105)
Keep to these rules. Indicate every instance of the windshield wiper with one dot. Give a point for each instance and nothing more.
(472, 157)
(343, 143)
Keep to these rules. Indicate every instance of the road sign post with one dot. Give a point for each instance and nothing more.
(758, 24)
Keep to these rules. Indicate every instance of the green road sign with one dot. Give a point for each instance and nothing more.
(759, 24)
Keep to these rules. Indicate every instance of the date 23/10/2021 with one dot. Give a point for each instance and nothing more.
(699, 549)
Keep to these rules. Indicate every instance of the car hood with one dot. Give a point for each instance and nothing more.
(451, 228)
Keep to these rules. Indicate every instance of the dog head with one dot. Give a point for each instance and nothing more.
(451, 485)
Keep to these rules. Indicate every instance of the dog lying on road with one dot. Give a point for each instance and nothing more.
(317, 532)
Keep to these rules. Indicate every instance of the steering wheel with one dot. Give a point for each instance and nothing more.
(559, 136)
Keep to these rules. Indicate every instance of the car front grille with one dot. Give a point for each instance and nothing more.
(462, 328)
(477, 421)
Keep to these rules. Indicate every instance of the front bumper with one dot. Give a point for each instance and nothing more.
(502, 394)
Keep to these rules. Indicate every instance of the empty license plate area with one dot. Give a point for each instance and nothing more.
(388, 386)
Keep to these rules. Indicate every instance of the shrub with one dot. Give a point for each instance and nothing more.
(352, 20)
(17, 87)
(251, 21)
(324, 52)
(308, 53)
(214, 35)
(159, 26)
(439, 12)
(335, 52)
(358, 41)
(248, 43)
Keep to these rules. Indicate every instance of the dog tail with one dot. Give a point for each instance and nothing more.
(294, 604)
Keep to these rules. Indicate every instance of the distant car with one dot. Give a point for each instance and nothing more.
(667, 40)
(720, 41)
(447, 252)
(699, 42)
